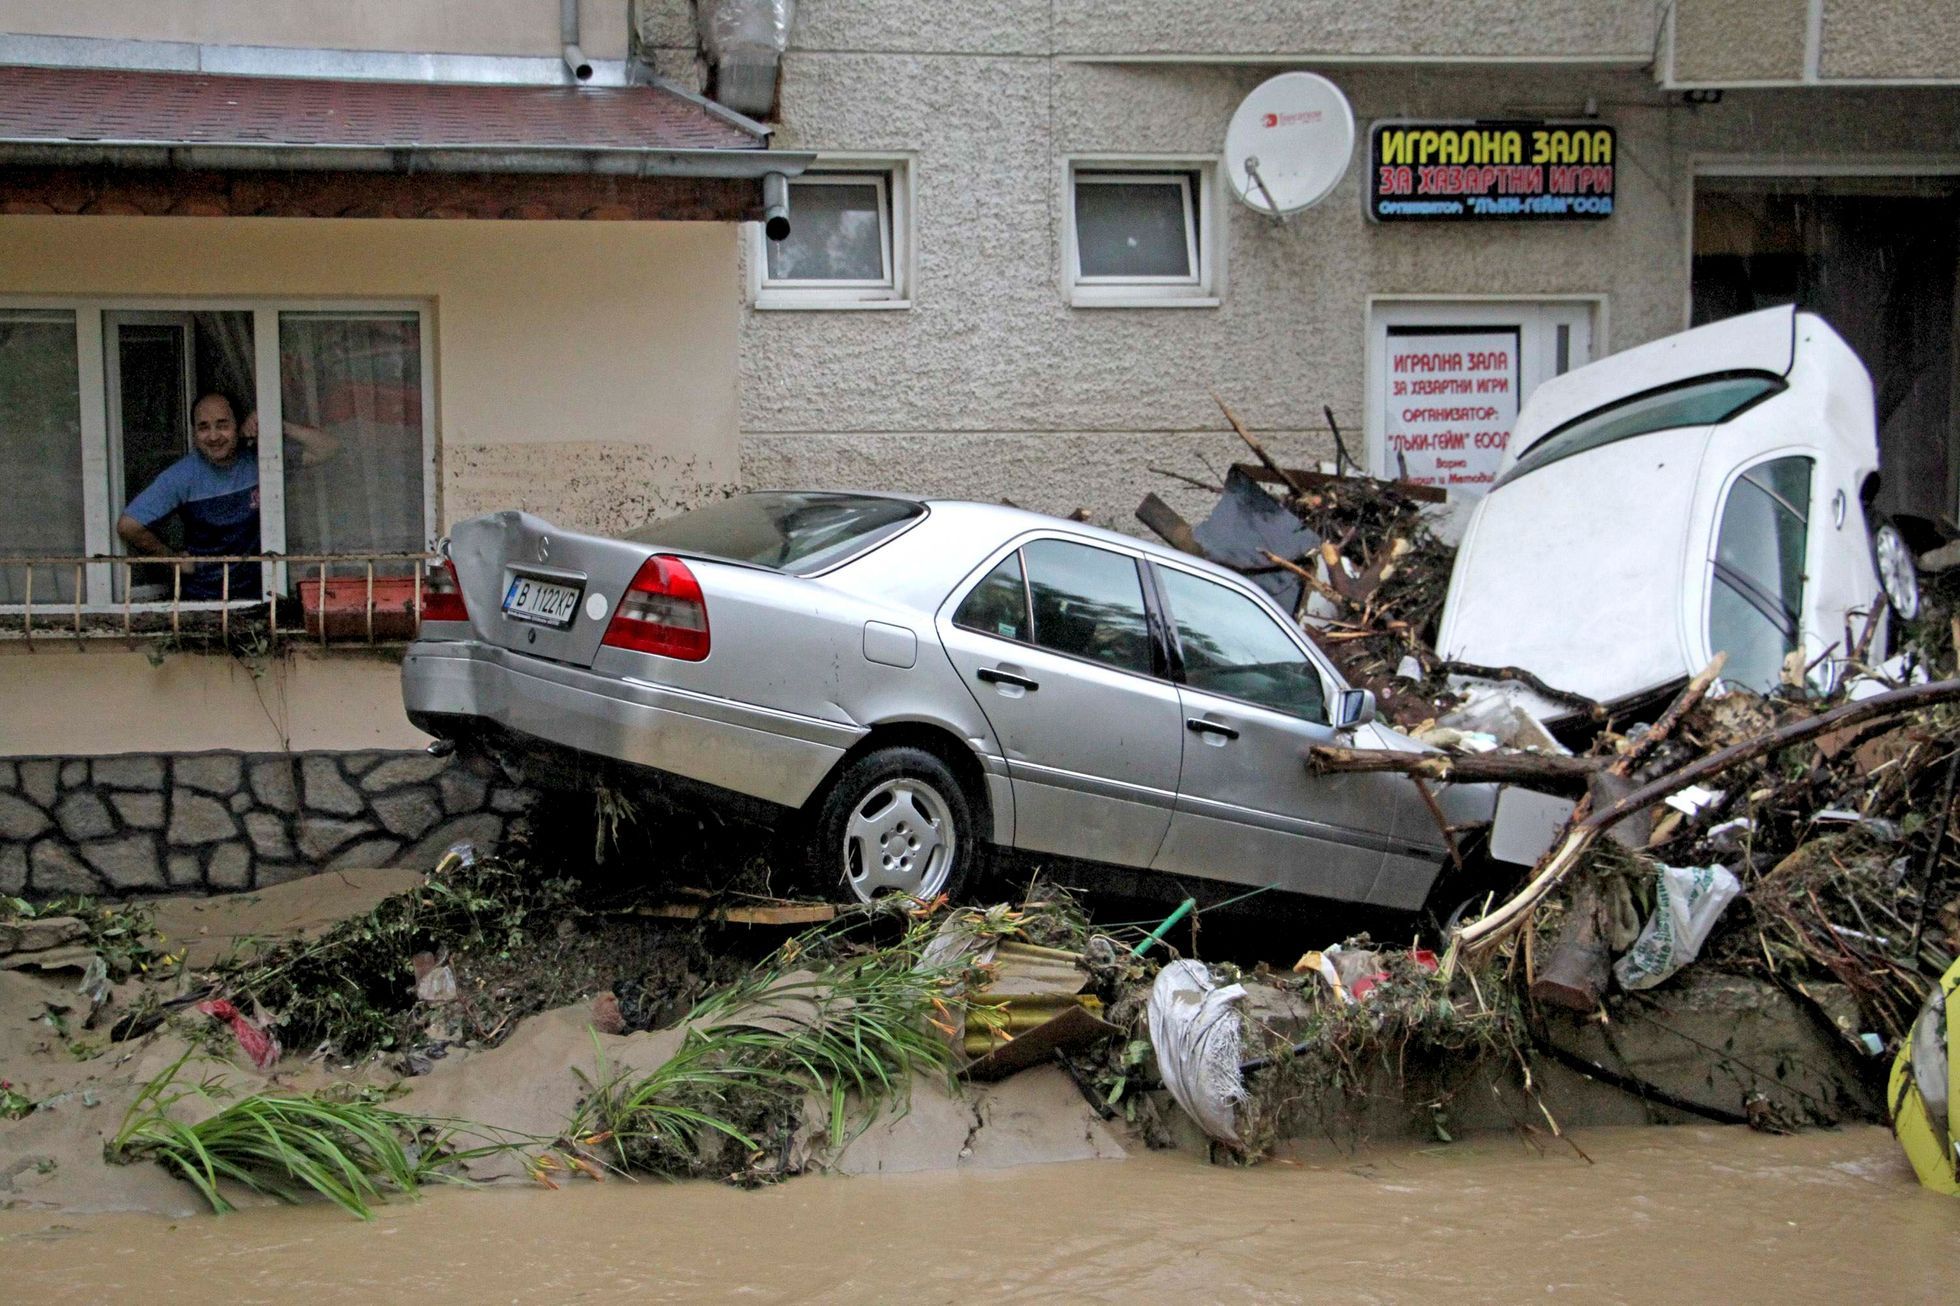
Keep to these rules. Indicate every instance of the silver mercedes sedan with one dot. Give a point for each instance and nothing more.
(908, 683)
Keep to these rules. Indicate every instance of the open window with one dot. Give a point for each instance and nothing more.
(331, 462)
(1755, 606)
(1141, 235)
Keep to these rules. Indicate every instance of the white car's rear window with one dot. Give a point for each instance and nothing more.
(1705, 401)
(799, 532)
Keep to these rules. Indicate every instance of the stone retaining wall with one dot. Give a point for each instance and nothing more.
(151, 823)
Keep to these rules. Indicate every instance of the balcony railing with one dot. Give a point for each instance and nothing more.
(368, 598)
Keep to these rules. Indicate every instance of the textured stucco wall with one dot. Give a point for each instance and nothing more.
(501, 27)
(1617, 30)
(1754, 40)
(1891, 38)
(1586, 28)
(991, 386)
(582, 368)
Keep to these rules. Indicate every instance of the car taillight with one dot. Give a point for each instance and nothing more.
(662, 612)
(442, 593)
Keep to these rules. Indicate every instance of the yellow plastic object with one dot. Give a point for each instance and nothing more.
(1926, 1130)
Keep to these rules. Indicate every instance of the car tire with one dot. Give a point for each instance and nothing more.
(1897, 567)
(894, 821)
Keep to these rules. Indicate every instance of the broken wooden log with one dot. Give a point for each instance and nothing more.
(1574, 975)
(1591, 707)
(1568, 774)
(1168, 526)
(1481, 936)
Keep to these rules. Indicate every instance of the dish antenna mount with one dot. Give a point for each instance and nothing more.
(1288, 144)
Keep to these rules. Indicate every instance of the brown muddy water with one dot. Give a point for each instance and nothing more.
(1661, 1215)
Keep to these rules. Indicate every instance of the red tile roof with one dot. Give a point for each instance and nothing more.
(57, 106)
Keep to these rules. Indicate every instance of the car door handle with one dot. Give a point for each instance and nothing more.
(1197, 725)
(995, 676)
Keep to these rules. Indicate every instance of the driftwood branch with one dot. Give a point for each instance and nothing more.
(1483, 935)
(1259, 450)
(1542, 769)
(1591, 707)
(1683, 703)
(1164, 520)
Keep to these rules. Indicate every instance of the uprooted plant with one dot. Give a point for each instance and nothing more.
(352, 985)
(344, 1147)
(824, 1018)
(1416, 1027)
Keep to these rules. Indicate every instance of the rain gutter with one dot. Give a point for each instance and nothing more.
(610, 161)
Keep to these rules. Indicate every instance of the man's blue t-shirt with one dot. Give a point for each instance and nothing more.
(219, 507)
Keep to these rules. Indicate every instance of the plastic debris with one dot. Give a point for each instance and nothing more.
(259, 1047)
(1687, 902)
(1195, 1030)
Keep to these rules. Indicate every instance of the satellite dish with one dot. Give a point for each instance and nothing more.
(1289, 143)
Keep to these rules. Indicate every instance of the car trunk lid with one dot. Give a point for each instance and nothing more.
(536, 589)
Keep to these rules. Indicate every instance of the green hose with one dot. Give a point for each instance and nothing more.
(1170, 921)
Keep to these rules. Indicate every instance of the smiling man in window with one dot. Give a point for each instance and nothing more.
(214, 491)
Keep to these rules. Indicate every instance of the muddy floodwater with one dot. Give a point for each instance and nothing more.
(1661, 1215)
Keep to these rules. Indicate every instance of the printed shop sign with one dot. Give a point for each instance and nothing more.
(1452, 399)
(1478, 172)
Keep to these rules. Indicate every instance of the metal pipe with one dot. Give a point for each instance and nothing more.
(575, 60)
(775, 205)
(611, 161)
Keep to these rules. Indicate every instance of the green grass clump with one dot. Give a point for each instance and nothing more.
(849, 1026)
(350, 1151)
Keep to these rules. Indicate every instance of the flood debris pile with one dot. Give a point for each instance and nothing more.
(1357, 556)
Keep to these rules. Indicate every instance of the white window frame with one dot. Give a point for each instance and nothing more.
(1204, 243)
(99, 512)
(892, 175)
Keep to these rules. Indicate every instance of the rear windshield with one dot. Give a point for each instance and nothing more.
(1706, 401)
(793, 531)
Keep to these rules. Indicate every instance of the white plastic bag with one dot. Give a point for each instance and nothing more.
(1687, 902)
(1195, 1031)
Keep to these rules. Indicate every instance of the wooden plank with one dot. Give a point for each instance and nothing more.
(778, 913)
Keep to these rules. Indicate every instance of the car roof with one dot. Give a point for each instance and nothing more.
(1009, 520)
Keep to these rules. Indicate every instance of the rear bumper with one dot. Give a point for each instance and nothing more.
(778, 757)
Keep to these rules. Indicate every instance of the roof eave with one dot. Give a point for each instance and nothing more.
(543, 159)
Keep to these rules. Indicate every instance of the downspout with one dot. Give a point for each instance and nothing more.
(575, 60)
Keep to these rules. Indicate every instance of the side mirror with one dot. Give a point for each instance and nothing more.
(1354, 707)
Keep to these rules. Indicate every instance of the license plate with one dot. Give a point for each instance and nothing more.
(543, 602)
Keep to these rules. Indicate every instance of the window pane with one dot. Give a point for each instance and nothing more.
(835, 235)
(794, 531)
(351, 388)
(1132, 229)
(40, 450)
(998, 605)
(1233, 647)
(1763, 530)
(1699, 403)
(1756, 645)
(1756, 603)
(1088, 602)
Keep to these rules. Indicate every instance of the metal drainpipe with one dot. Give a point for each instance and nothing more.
(775, 205)
(575, 59)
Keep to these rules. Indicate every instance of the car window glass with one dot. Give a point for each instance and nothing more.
(1705, 402)
(1232, 646)
(1088, 602)
(793, 531)
(1756, 603)
(998, 605)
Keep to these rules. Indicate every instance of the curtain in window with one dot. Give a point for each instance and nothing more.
(355, 379)
(40, 451)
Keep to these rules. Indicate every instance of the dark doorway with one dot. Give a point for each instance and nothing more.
(1876, 257)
